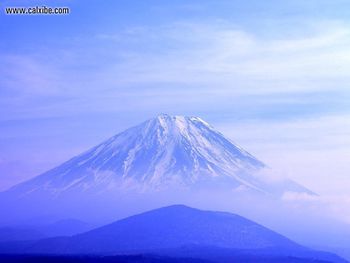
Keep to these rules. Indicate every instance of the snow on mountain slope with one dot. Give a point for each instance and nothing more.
(163, 152)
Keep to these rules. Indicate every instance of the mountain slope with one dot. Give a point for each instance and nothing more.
(180, 231)
(170, 227)
(161, 153)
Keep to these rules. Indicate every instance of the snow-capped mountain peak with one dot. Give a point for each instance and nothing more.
(161, 153)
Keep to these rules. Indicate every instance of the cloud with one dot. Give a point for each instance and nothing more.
(26, 75)
(294, 196)
(226, 54)
(336, 206)
(187, 63)
(313, 151)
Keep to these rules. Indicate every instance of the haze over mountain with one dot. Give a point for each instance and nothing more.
(166, 152)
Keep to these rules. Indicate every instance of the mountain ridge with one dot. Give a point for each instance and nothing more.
(178, 231)
(170, 227)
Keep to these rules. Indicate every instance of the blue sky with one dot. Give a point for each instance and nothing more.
(271, 75)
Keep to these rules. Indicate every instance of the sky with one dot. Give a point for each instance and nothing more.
(271, 75)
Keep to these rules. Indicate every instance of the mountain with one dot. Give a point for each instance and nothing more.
(111, 259)
(180, 231)
(19, 234)
(64, 227)
(27, 232)
(150, 259)
(166, 152)
(171, 227)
